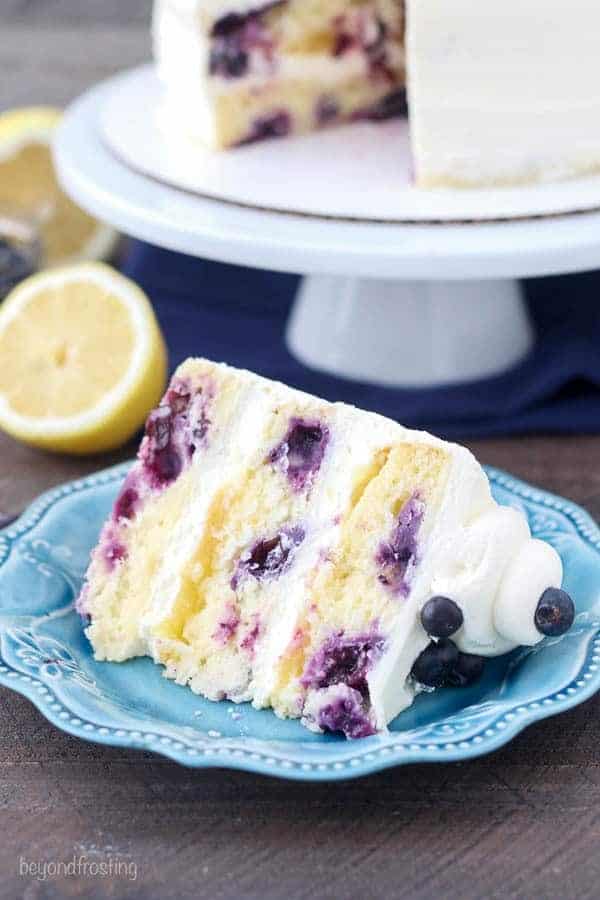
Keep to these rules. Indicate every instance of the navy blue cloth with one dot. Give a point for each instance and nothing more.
(238, 315)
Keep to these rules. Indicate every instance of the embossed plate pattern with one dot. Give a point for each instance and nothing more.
(45, 656)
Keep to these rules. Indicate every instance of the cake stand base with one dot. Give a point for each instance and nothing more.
(409, 333)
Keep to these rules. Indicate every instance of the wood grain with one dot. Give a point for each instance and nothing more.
(524, 823)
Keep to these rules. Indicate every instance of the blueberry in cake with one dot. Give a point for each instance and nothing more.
(498, 93)
(268, 546)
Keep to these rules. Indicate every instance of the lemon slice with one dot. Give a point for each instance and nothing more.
(82, 359)
(29, 189)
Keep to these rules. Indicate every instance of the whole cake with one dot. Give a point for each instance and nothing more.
(498, 93)
(271, 547)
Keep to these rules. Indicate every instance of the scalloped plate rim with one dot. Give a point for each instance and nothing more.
(373, 758)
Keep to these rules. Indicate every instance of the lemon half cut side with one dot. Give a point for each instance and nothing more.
(82, 359)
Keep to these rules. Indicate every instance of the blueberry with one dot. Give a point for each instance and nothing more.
(269, 558)
(435, 664)
(278, 125)
(326, 109)
(441, 617)
(126, 504)
(346, 714)
(228, 24)
(228, 58)
(304, 442)
(173, 433)
(467, 670)
(392, 105)
(397, 556)
(158, 427)
(343, 43)
(167, 466)
(178, 400)
(200, 429)
(162, 460)
(114, 552)
(273, 125)
(555, 612)
(343, 659)
(301, 452)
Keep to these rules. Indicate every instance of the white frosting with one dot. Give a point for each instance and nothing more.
(469, 567)
(503, 91)
(536, 567)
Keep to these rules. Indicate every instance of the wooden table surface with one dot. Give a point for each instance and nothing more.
(523, 823)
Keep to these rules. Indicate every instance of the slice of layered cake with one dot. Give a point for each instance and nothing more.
(270, 547)
(242, 71)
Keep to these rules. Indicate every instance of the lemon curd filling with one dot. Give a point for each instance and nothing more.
(270, 547)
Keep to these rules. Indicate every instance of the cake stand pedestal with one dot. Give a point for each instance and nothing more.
(405, 305)
(409, 333)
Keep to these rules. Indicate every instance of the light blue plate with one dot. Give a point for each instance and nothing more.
(45, 656)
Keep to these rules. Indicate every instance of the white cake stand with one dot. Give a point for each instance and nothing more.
(391, 302)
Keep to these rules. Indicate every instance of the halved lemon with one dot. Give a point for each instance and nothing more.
(82, 359)
(29, 190)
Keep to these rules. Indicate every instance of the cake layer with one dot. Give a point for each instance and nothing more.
(272, 547)
(284, 68)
